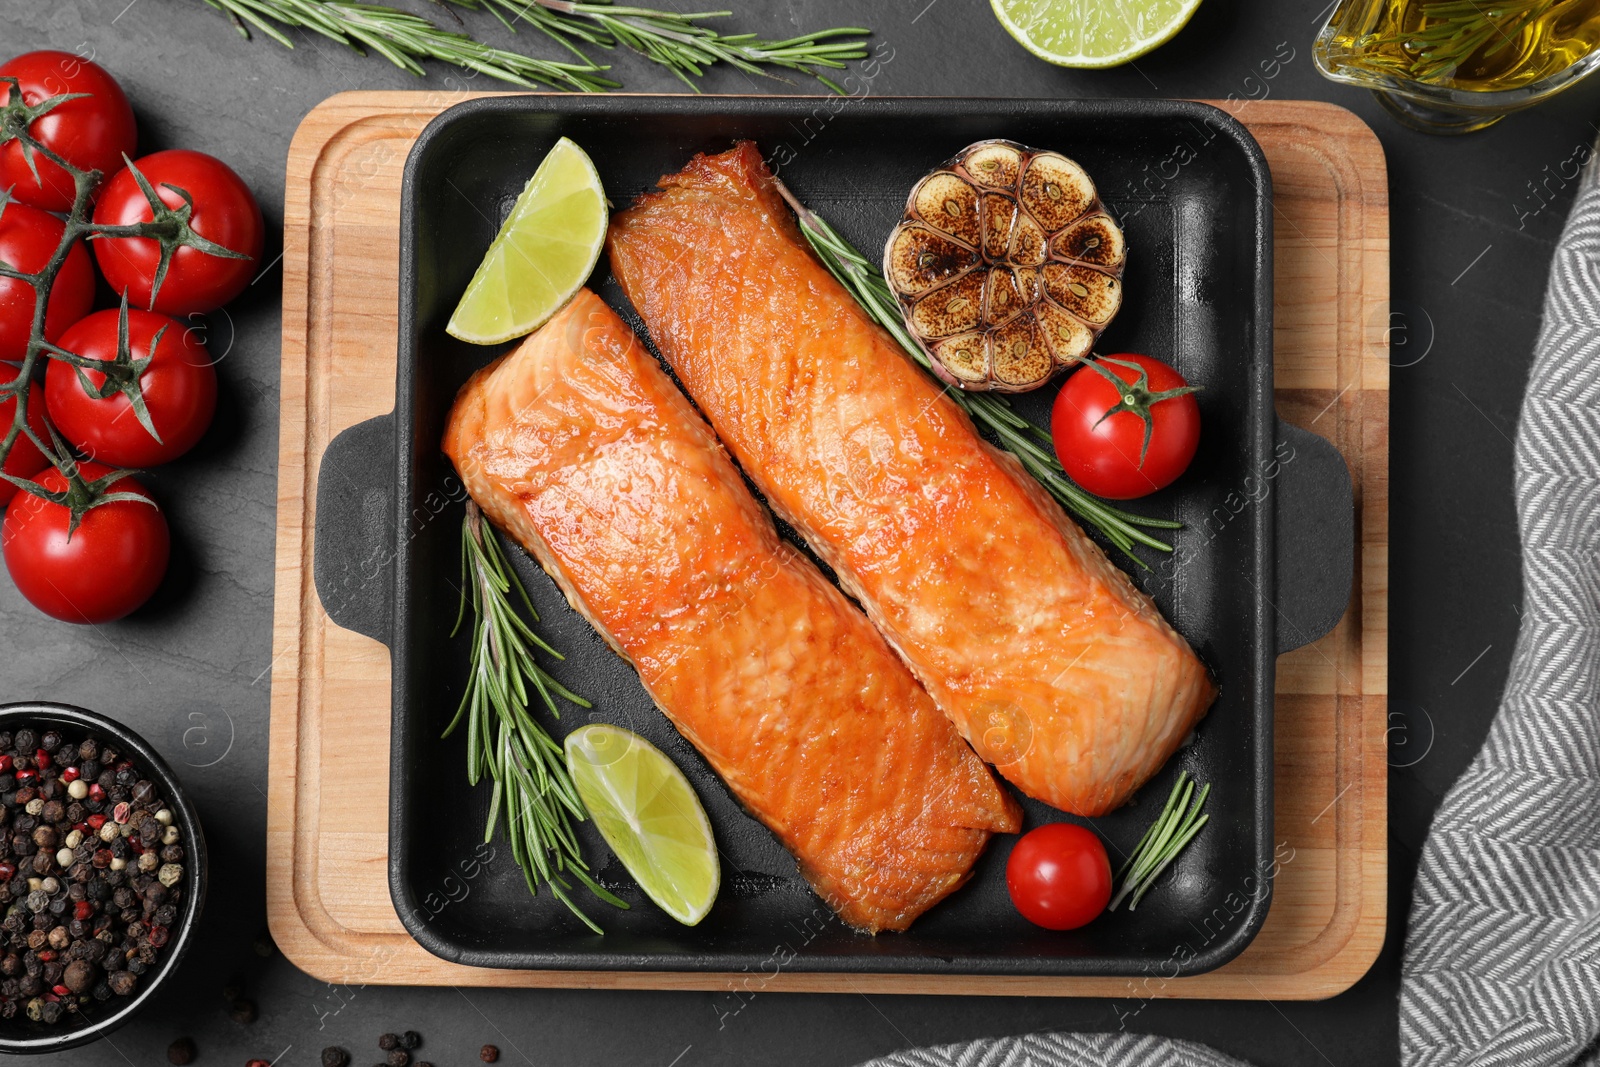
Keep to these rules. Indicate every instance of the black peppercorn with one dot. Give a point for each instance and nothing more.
(410, 1040)
(73, 926)
(399, 1058)
(181, 1052)
(488, 1054)
(243, 1011)
(80, 976)
(333, 1056)
(389, 1041)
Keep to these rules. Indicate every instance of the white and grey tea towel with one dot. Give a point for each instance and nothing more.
(1063, 1050)
(1502, 961)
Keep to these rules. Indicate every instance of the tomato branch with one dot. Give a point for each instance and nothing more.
(15, 117)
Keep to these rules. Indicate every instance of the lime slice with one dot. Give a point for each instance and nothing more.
(649, 815)
(1092, 33)
(541, 256)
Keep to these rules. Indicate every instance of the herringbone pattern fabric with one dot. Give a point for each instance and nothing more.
(1503, 952)
(1063, 1050)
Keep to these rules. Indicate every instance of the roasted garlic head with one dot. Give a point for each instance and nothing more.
(1006, 266)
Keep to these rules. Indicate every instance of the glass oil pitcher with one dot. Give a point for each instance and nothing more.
(1452, 66)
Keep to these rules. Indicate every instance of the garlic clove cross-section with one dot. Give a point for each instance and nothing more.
(1006, 267)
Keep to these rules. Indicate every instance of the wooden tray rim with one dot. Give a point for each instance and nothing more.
(1335, 959)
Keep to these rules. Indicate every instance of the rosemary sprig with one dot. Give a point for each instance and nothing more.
(1451, 32)
(1017, 435)
(1176, 826)
(405, 39)
(676, 40)
(504, 740)
(680, 41)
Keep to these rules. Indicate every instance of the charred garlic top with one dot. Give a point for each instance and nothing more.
(1007, 266)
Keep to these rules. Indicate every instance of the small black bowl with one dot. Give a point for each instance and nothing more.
(98, 1019)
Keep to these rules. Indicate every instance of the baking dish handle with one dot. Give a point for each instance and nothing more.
(353, 562)
(1315, 521)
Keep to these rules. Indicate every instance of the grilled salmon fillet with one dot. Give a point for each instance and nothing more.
(580, 447)
(1043, 653)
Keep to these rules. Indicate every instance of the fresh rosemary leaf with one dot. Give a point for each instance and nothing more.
(505, 743)
(679, 41)
(1017, 435)
(405, 39)
(1173, 829)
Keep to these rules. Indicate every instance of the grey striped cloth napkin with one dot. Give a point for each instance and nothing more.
(1064, 1050)
(1502, 963)
(1503, 952)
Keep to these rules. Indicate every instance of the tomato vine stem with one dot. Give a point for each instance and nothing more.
(80, 496)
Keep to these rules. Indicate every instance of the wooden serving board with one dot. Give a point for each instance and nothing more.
(327, 822)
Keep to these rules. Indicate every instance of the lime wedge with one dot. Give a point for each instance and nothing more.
(541, 256)
(648, 813)
(1092, 33)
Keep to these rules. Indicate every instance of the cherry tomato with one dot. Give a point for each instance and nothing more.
(108, 566)
(224, 212)
(25, 460)
(1058, 876)
(28, 238)
(91, 133)
(179, 388)
(1103, 454)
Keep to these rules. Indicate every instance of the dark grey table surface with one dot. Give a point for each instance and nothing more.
(1475, 220)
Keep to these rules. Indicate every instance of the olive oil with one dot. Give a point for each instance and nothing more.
(1471, 45)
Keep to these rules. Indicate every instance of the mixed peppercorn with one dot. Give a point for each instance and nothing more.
(91, 874)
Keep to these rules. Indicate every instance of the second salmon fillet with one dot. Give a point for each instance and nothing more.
(1043, 653)
(580, 447)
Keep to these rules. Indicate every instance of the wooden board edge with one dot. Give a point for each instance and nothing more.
(314, 949)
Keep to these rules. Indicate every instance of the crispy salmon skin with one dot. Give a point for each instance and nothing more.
(1043, 653)
(579, 446)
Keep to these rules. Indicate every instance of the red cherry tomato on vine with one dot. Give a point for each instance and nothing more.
(25, 460)
(28, 238)
(108, 566)
(1058, 876)
(1103, 453)
(179, 388)
(91, 133)
(224, 212)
